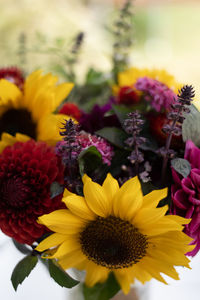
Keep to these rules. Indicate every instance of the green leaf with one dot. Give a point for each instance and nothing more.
(21, 247)
(56, 189)
(147, 187)
(191, 126)
(102, 291)
(182, 166)
(60, 276)
(114, 135)
(94, 77)
(89, 159)
(122, 112)
(23, 269)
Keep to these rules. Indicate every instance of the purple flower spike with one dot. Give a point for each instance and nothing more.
(186, 195)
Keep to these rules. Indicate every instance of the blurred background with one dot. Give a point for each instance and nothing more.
(166, 34)
(36, 34)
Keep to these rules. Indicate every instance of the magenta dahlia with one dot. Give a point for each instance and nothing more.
(186, 195)
(27, 171)
(157, 93)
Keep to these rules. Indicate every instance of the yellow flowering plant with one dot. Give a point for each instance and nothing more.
(102, 177)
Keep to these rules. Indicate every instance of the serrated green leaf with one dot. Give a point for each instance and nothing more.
(23, 269)
(182, 166)
(55, 189)
(89, 159)
(60, 276)
(191, 126)
(102, 291)
(114, 135)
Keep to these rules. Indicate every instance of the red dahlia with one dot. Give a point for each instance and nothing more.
(128, 96)
(27, 171)
(13, 75)
(71, 109)
(156, 123)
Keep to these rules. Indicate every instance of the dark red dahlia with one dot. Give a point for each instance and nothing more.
(27, 171)
(156, 123)
(71, 110)
(13, 75)
(128, 96)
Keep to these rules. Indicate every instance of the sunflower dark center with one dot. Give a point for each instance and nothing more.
(14, 192)
(18, 120)
(113, 243)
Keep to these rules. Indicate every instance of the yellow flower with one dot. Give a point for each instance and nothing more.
(116, 229)
(9, 140)
(31, 112)
(130, 77)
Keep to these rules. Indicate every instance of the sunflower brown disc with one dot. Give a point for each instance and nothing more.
(18, 120)
(113, 243)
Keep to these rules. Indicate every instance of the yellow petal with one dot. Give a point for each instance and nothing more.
(96, 197)
(128, 199)
(164, 267)
(37, 85)
(77, 205)
(162, 226)
(95, 273)
(127, 78)
(176, 237)
(61, 92)
(145, 217)
(124, 279)
(62, 221)
(42, 95)
(171, 257)
(49, 127)
(9, 140)
(9, 92)
(172, 240)
(72, 259)
(152, 199)
(111, 187)
(151, 268)
(140, 274)
(67, 193)
(130, 76)
(178, 219)
(70, 245)
(51, 241)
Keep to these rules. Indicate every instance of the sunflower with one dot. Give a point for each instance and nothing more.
(130, 76)
(30, 112)
(116, 229)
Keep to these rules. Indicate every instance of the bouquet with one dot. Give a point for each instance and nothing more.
(101, 177)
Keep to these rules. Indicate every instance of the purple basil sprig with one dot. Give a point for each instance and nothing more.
(176, 117)
(132, 125)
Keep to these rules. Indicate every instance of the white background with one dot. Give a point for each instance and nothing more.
(41, 287)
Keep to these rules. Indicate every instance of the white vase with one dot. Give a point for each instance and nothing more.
(138, 291)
